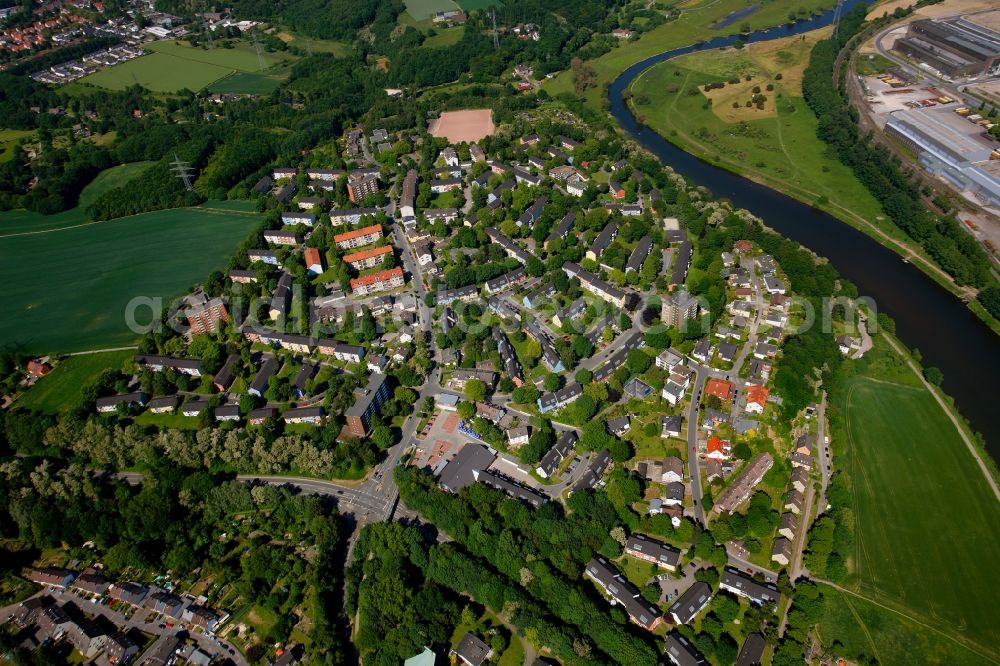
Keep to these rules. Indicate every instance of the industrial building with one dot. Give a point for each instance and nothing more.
(951, 146)
(957, 48)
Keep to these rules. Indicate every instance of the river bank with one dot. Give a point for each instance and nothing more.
(928, 316)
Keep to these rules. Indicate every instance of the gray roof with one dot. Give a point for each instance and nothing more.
(752, 650)
(663, 553)
(760, 593)
(461, 470)
(562, 448)
(360, 405)
(680, 652)
(691, 602)
(639, 254)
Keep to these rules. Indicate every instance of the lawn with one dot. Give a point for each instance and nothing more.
(311, 45)
(925, 515)
(425, 9)
(777, 144)
(70, 287)
(59, 391)
(9, 139)
(863, 627)
(173, 66)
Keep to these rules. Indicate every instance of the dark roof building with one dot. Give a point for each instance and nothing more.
(623, 592)
(651, 550)
(689, 604)
(599, 464)
(562, 448)
(681, 653)
(752, 651)
(462, 470)
(742, 585)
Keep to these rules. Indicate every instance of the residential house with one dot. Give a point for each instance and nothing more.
(243, 276)
(261, 414)
(472, 651)
(260, 381)
(281, 299)
(680, 652)
(550, 402)
(592, 476)
(720, 388)
(313, 260)
(52, 577)
(800, 478)
(595, 285)
(690, 603)
(739, 490)
(369, 258)
(304, 415)
(264, 256)
(341, 351)
(651, 550)
(445, 185)
(752, 652)
(789, 525)
(682, 263)
(375, 282)
(359, 237)
(129, 400)
(206, 317)
(603, 241)
(781, 551)
(91, 582)
(278, 237)
(194, 406)
(517, 436)
(623, 593)
(368, 402)
(671, 426)
(87, 637)
(735, 581)
(227, 413)
(119, 648)
(560, 450)
(561, 229)
(295, 218)
(353, 216)
(794, 502)
(185, 366)
(225, 377)
(673, 494)
(756, 398)
(619, 426)
(639, 254)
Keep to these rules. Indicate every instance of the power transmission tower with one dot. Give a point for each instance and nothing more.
(208, 34)
(257, 47)
(183, 171)
(496, 38)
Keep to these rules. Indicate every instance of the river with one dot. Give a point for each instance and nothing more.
(928, 317)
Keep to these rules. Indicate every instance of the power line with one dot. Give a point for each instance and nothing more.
(257, 47)
(496, 38)
(183, 171)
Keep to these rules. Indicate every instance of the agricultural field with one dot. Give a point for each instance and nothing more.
(473, 5)
(173, 66)
(249, 83)
(445, 37)
(922, 510)
(59, 391)
(110, 179)
(8, 140)
(421, 10)
(72, 296)
(895, 640)
(313, 45)
(775, 144)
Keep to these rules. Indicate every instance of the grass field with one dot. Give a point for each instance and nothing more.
(473, 5)
(926, 537)
(70, 286)
(109, 179)
(9, 139)
(425, 9)
(249, 83)
(59, 391)
(777, 145)
(864, 627)
(311, 45)
(173, 66)
(696, 21)
(445, 37)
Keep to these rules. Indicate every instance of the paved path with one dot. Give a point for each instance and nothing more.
(101, 351)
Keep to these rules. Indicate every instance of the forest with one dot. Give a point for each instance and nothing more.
(173, 521)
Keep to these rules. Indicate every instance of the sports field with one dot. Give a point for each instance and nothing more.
(249, 83)
(927, 542)
(173, 66)
(59, 391)
(69, 287)
(466, 125)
